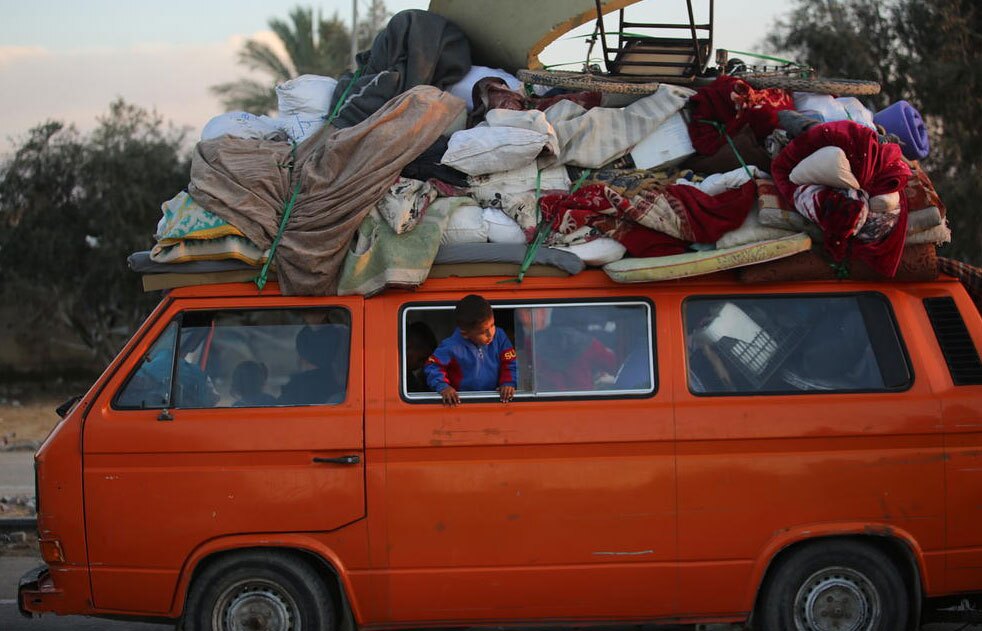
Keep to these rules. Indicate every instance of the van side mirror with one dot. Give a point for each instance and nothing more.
(66, 407)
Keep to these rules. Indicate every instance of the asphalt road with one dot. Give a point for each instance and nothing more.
(11, 569)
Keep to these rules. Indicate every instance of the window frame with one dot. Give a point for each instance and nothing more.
(897, 331)
(179, 319)
(434, 398)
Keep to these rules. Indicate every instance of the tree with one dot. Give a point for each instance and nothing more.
(73, 207)
(924, 51)
(313, 46)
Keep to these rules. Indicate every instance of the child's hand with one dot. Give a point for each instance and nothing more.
(507, 393)
(450, 397)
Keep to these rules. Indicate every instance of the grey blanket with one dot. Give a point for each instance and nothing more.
(342, 174)
(416, 48)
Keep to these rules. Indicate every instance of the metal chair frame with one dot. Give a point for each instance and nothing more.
(618, 63)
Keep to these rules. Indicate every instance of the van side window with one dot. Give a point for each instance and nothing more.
(793, 344)
(574, 349)
(259, 358)
(149, 385)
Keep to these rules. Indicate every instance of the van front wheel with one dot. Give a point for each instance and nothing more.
(259, 591)
(835, 585)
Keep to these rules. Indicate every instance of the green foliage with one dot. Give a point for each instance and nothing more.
(313, 46)
(924, 51)
(73, 207)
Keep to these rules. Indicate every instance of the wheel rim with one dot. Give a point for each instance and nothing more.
(837, 599)
(256, 605)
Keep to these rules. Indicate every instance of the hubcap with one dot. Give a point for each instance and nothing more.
(256, 605)
(837, 599)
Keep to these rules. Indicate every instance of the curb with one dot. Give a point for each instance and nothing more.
(13, 524)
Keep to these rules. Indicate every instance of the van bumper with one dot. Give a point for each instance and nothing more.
(36, 592)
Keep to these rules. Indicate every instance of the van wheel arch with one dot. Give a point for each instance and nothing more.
(321, 566)
(895, 548)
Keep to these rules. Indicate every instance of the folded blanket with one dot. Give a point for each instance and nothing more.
(183, 218)
(222, 248)
(381, 258)
(141, 263)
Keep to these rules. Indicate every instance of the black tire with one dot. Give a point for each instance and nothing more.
(821, 85)
(267, 590)
(584, 81)
(848, 583)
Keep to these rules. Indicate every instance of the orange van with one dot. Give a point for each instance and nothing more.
(806, 456)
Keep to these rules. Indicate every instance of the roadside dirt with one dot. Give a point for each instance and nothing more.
(27, 410)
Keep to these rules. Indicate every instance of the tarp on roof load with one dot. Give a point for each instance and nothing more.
(510, 34)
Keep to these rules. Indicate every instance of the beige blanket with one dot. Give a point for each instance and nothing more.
(342, 173)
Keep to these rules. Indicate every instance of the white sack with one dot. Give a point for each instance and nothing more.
(597, 252)
(501, 227)
(484, 150)
(241, 125)
(307, 94)
(466, 225)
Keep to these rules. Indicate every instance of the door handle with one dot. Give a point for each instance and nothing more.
(338, 460)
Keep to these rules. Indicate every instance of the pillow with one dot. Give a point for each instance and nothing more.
(466, 225)
(598, 252)
(828, 166)
(501, 227)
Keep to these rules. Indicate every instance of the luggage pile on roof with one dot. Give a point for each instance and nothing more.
(421, 158)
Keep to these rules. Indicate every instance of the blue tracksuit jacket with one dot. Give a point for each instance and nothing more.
(467, 367)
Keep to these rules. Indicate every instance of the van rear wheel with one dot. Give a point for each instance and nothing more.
(834, 586)
(259, 591)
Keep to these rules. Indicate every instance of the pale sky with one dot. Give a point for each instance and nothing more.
(68, 59)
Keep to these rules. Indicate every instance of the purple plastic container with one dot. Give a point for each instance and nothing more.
(903, 120)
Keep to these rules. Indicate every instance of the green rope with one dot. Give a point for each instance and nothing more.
(573, 63)
(261, 278)
(841, 270)
(767, 57)
(722, 131)
(543, 229)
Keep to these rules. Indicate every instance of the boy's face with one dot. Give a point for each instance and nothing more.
(481, 333)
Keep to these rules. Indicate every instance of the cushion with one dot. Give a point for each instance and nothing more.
(642, 270)
(506, 253)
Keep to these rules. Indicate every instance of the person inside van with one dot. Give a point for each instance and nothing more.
(477, 357)
(420, 344)
(248, 385)
(321, 380)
